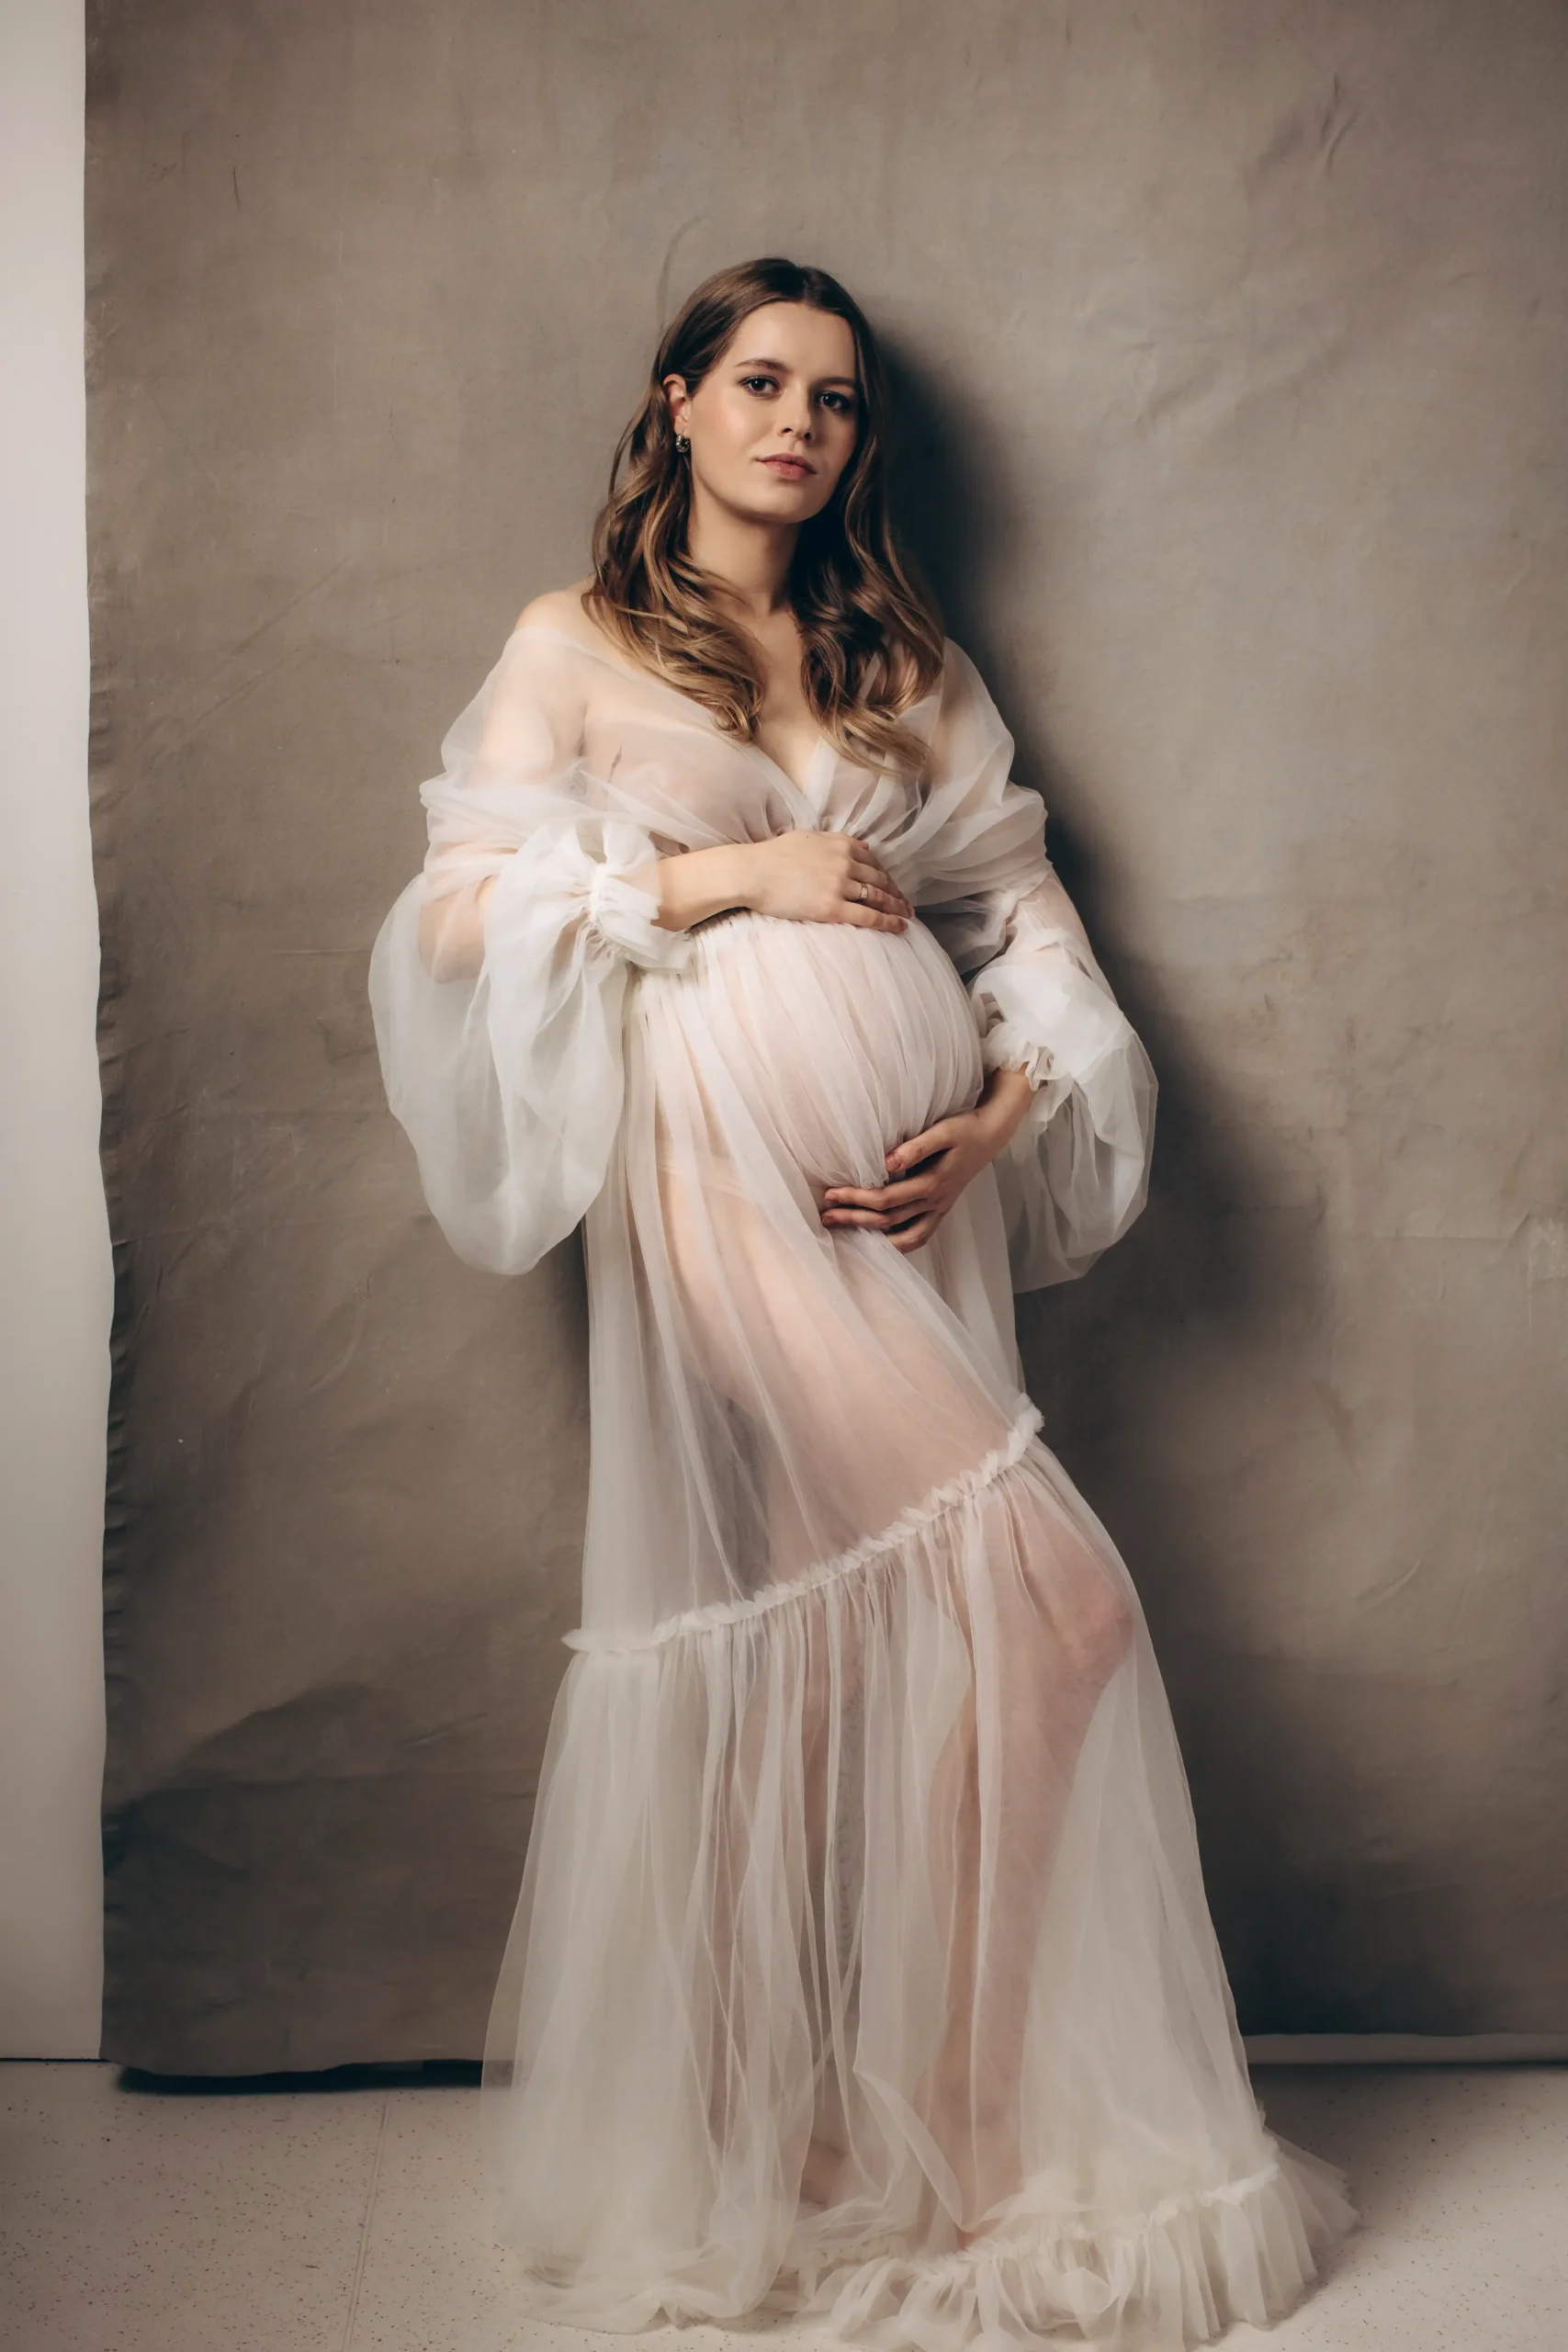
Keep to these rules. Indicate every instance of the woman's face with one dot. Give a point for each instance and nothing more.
(773, 422)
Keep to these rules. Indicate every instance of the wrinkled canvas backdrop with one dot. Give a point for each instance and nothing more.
(1232, 344)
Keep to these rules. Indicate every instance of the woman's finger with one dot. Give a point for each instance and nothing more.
(941, 1137)
(914, 1189)
(857, 893)
(865, 861)
(878, 1220)
(866, 874)
(913, 1236)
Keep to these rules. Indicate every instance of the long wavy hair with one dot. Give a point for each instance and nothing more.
(871, 634)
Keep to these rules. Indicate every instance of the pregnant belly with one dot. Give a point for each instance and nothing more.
(832, 1042)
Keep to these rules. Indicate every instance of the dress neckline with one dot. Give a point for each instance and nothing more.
(805, 787)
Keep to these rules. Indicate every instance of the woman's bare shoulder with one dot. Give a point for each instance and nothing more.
(561, 611)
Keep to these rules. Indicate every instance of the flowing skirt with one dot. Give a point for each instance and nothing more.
(862, 1968)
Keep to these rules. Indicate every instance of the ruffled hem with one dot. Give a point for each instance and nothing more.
(715, 1615)
(1244, 2249)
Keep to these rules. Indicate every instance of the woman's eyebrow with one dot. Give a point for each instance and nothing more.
(783, 369)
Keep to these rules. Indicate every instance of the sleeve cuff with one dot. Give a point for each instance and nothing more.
(624, 918)
(1004, 1047)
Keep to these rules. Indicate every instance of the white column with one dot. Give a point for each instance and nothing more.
(54, 1257)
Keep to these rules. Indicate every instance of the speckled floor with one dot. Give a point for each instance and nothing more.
(354, 2220)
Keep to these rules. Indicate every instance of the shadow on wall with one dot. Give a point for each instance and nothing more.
(1213, 1273)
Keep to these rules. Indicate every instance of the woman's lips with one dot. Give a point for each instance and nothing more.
(792, 468)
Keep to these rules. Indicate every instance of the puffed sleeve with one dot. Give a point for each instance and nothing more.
(1076, 1174)
(498, 980)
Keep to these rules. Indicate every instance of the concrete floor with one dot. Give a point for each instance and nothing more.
(354, 2220)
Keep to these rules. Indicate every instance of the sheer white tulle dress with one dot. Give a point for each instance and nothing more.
(862, 1968)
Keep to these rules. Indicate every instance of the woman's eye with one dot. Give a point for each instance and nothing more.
(760, 383)
(840, 403)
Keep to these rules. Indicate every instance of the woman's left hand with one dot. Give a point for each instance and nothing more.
(946, 1157)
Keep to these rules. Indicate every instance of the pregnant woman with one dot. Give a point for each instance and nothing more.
(862, 1969)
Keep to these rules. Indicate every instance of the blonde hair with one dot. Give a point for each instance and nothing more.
(872, 640)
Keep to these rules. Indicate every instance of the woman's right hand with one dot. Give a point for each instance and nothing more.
(822, 877)
(805, 877)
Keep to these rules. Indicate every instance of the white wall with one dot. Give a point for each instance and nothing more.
(55, 1279)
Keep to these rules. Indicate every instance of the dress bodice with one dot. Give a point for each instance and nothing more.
(560, 730)
(563, 782)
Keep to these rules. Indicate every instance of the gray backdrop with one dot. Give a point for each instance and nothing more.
(1231, 337)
